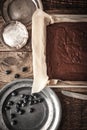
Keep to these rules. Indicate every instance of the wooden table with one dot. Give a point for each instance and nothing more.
(74, 111)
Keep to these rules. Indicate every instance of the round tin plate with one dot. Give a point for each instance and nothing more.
(15, 34)
(46, 114)
(20, 10)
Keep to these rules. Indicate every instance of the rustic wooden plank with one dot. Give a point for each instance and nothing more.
(15, 61)
(70, 6)
(66, 11)
(74, 113)
(4, 47)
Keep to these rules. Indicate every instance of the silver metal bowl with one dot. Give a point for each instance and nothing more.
(15, 34)
(46, 116)
(20, 10)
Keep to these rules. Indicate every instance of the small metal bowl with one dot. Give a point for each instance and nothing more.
(46, 115)
(20, 10)
(15, 34)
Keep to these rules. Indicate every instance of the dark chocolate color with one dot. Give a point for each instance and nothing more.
(8, 72)
(24, 69)
(17, 75)
(66, 51)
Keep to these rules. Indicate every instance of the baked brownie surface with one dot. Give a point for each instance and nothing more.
(66, 51)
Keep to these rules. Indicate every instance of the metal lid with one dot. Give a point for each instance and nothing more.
(46, 114)
(15, 34)
(20, 10)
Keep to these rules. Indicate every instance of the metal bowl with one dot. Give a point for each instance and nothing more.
(46, 116)
(15, 34)
(20, 10)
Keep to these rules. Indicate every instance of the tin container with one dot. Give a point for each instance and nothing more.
(20, 10)
(46, 115)
(15, 34)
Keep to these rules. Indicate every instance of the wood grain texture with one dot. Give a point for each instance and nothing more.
(66, 6)
(74, 113)
(15, 61)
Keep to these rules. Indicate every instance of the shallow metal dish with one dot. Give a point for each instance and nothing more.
(15, 34)
(47, 114)
(20, 10)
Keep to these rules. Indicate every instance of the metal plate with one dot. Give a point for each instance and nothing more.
(46, 115)
(15, 34)
(20, 10)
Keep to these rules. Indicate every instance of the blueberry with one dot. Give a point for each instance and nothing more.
(18, 105)
(24, 69)
(35, 95)
(10, 103)
(8, 72)
(7, 108)
(20, 102)
(21, 112)
(13, 115)
(30, 102)
(22, 95)
(31, 98)
(23, 104)
(26, 96)
(17, 110)
(35, 101)
(25, 100)
(17, 75)
(31, 110)
(40, 100)
(14, 93)
(14, 122)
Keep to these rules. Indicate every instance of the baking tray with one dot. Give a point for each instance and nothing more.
(46, 115)
(74, 18)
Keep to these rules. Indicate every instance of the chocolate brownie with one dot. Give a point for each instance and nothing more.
(66, 51)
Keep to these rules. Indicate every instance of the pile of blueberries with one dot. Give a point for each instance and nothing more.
(20, 104)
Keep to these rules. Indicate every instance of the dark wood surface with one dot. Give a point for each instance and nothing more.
(74, 111)
(66, 6)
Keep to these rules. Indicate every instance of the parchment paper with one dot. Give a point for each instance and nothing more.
(40, 21)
